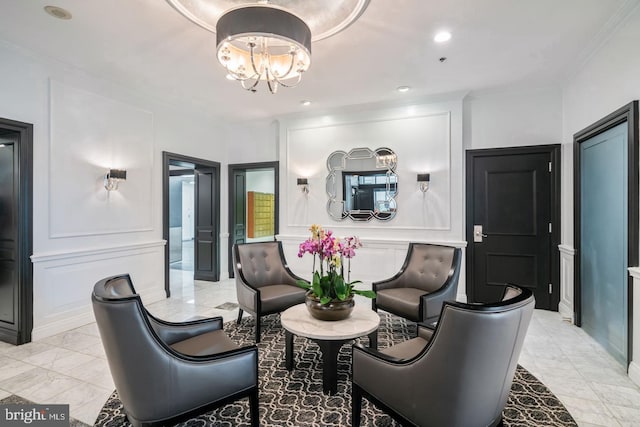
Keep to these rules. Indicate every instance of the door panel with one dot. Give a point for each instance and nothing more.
(8, 236)
(603, 234)
(206, 240)
(511, 200)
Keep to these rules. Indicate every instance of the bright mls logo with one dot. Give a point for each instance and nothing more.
(34, 415)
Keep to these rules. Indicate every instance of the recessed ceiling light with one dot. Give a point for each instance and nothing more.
(403, 89)
(442, 37)
(306, 103)
(58, 12)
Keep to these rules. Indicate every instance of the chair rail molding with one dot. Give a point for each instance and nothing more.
(565, 307)
(634, 366)
(60, 255)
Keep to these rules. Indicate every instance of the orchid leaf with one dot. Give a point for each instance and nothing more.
(368, 294)
(341, 288)
(303, 284)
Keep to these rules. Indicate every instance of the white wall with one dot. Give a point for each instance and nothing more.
(426, 138)
(261, 181)
(513, 118)
(82, 126)
(609, 80)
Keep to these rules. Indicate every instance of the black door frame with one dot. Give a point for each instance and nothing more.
(22, 333)
(168, 158)
(554, 152)
(244, 167)
(629, 114)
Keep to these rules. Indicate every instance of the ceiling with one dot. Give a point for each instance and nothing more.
(149, 47)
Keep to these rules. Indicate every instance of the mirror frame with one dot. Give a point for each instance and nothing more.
(338, 161)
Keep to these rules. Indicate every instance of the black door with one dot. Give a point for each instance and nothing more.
(206, 239)
(510, 221)
(9, 286)
(16, 275)
(238, 195)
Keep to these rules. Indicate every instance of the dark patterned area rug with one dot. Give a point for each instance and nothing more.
(295, 398)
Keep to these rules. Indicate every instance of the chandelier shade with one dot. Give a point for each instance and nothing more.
(263, 43)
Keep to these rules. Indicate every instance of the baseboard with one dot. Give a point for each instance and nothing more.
(566, 311)
(63, 325)
(634, 373)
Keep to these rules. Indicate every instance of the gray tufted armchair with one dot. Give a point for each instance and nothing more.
(166, 372)
(457, 374)
(264, 283)
(428, 277)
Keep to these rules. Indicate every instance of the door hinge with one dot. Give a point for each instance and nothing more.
(550, 167)
(550, 228)
(550, 288)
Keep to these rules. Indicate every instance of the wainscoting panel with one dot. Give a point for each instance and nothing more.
(63, 282)
(565, 307)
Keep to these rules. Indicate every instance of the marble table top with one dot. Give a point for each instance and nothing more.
(362, 321)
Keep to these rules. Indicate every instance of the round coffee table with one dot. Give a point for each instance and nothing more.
(329, 335)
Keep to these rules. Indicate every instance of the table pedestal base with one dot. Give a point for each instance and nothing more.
(329, 350)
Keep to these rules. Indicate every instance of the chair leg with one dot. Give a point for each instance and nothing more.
(373, 305)
(257, 328)
(356, 405)
(254, 408)
(239, 316)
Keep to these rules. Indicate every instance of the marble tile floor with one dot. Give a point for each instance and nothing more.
(71, 367)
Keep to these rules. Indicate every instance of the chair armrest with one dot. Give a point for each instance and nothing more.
(171, 332)
(371, 353)
(223, 355)
(431, 303)
(393, 282)
(426, 331)
(247, 294)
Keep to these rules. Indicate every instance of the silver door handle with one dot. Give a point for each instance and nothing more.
(478, 235)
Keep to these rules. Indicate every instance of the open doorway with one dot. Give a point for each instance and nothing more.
(253, 204)
(191, 220)
(181, 218)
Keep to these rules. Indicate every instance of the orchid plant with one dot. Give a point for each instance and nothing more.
(329, 284)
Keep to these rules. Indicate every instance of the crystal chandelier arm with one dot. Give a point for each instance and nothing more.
(253, 86)
(294, 84)
(293, 59)
(240, 77)
(253, 59)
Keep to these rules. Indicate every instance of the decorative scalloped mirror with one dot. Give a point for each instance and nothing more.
(362, 184)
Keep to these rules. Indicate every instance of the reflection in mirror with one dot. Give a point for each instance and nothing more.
(362, 184)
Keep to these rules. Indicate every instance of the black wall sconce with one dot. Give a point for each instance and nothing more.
(303, 185)
(113, 178)
(423, 181)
